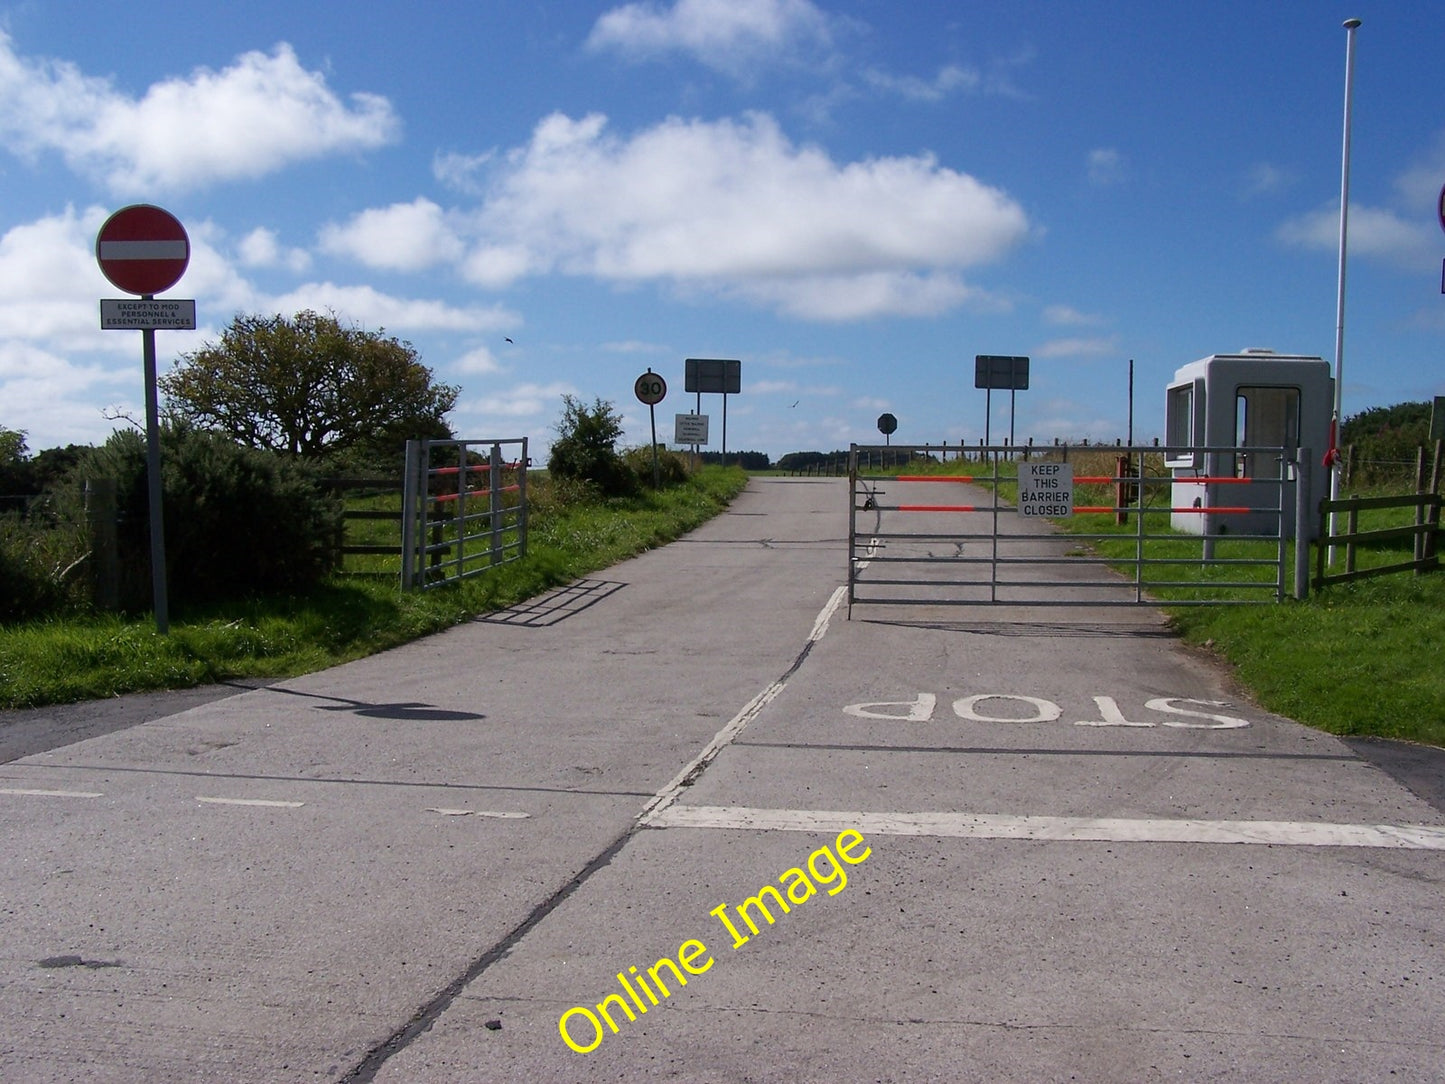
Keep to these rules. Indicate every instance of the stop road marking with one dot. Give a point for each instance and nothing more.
(1016, 708)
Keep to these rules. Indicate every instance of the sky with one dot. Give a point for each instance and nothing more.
(852, 197)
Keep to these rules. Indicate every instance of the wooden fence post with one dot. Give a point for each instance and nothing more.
(100, 517)
(1351, 526)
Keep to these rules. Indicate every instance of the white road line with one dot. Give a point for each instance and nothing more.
(479, 813)
(250, 801)
(1100, 829)
(669, 794)
(53, 793)
(820, 625)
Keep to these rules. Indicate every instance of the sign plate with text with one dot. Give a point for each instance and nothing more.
(1046, 489)
(147, 314)
(690, 429)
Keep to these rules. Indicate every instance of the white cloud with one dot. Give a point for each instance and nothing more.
(1262, 179)
(1419, 186)
(635, 346)
(460, 171)
(770, 387)
(479, 361)
(403, 237)
(262, 248)
(735, 207)
(1374, 232)
(1077, 348)
(30, 377)
(865, 295)
(1068, 316)
(1106, 166)
(49, 282)
(372, 308)
(253, 118)
(522, 401)
(723, 34)
(949, 79)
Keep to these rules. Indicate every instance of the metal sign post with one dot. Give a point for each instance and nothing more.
(144, 250)
(714, 375)
(999, 371)
(652, 389)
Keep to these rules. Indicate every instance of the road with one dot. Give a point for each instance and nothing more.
(1023, 844)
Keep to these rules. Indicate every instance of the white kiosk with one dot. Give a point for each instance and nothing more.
(1255, 399)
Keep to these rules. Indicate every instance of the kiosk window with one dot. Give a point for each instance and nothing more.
(1179, 414)
(1265, 418)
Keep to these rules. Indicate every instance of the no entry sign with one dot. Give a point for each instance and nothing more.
(143, 249)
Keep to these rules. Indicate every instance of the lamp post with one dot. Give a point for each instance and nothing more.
(1336, 420)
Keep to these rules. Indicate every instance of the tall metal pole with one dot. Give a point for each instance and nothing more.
(1336, 420)
(153, 474)
(1131, 403)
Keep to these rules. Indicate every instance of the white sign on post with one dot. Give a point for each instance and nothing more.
(1046, 489)
(138, 315)
(690, 429)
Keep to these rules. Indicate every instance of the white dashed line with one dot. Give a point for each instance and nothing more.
(1075, 829)
(53, 793)
(250, 801)
(480, 813)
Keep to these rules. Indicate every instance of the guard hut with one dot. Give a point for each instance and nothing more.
(1255, 399)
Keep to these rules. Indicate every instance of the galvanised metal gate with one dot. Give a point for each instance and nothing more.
(922, 537)
(464, 508)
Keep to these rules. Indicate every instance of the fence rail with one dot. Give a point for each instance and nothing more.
(994, 552)
(346, 549)
(452, 528)
(1424, 533)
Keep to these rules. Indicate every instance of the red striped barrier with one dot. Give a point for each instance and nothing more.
(472, 467)
(940, 508)
(477, 493)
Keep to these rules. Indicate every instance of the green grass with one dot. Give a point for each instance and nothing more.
(347, 617)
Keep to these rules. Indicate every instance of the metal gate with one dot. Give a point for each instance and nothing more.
(920, 536)
(452, 527)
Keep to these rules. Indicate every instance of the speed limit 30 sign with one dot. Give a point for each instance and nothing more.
(650, 388)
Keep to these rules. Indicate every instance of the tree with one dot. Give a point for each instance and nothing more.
(586, 447)
(308, 386)
(12, 462)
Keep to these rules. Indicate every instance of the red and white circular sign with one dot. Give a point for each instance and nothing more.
(142, 249)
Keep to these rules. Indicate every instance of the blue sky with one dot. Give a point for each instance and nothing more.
(853, 197)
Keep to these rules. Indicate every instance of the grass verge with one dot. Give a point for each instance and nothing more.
(87, 657)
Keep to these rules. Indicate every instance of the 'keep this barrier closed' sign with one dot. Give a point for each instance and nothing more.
(1046, 489)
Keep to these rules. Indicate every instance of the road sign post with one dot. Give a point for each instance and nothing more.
(994, 371)
(144, 250)
(652, 389)
(717, 375)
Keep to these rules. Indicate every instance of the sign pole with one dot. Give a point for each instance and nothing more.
(652, 389)
(153, 474)
(652, 417)
(1337, 418)
(987, 414)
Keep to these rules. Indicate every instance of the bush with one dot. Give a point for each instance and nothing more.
(238, 521)
(586, 448)
(672, 467)
(41, 567)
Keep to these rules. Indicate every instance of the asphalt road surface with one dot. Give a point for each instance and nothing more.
(686, 820)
